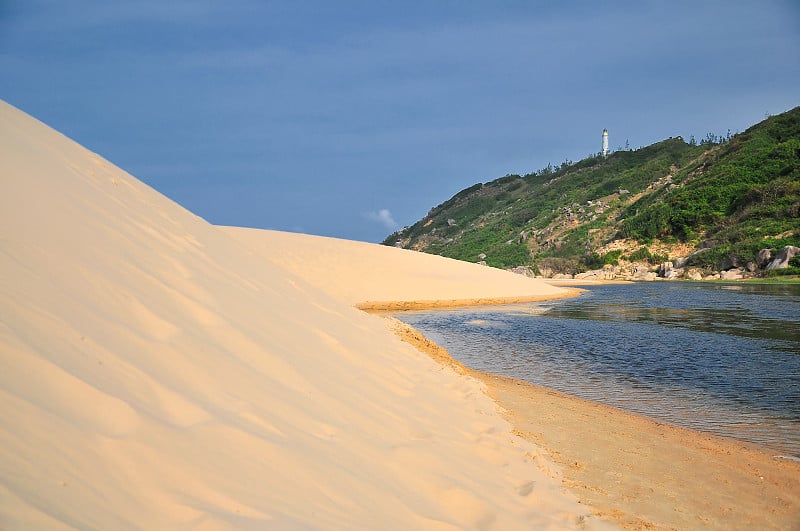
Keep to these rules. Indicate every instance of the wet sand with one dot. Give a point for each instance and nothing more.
(640, 473)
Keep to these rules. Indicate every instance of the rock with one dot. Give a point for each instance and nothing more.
(562, 276)
(597, 274)
(681, 262)
(751, 267)
(451, 222)
(674, 274)
(694, 274)
(728, 263)
(732, 274)
(522, 270)
(641, 273)
(664, 269)
(782, 259)
(763, 257)
(482, 256)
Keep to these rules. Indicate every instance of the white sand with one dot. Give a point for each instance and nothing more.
(368, 275)
(158, 373)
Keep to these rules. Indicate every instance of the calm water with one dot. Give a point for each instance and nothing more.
(718, 358)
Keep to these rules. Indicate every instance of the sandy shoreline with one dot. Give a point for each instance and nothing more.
(636, 471)
(398, 306)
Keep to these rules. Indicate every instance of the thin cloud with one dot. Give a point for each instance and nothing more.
(383, 216)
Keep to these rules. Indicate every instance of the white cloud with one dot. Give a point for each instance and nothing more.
(383, 216)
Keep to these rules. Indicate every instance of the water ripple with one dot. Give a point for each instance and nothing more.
(696, 355)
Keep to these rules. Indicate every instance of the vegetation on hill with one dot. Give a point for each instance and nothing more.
(728, 197)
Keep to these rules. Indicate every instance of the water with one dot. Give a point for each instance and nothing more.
(718, 358)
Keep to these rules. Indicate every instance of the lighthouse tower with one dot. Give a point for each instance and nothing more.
(605, 143)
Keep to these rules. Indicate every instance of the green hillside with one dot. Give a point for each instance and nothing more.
(728, 196)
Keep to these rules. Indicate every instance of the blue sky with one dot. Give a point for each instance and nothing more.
(353, 118)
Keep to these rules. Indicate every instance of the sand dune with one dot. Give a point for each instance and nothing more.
(378, 277)
(157, 372)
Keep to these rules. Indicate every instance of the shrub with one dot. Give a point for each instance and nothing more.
(643, 254)
(783, 272)
(612, 257)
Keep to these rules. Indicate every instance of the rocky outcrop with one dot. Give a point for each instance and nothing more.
(643, 274)
(763, 257)
(671, 271)
(607, 273)
(782, 259)
(730, 268)
(694, 274)
(732, 274)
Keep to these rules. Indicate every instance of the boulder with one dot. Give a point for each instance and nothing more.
(763, 257)
(732, 274)
(728, 262)
(642, 273)
(597, 274)
(674, 274)
(782, 259)
(522, 270)
(694, 274)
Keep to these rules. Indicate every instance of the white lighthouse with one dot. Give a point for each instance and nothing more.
(605, 143)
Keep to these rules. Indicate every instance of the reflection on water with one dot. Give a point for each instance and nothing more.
(718, 358)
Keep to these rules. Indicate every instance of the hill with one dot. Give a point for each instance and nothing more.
(711, 206)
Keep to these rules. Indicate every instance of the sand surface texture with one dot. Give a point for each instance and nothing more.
(158, 373)
(631, 470)
(375, 277)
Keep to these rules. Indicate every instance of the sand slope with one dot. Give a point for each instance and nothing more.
(156, 373)
(378, 277)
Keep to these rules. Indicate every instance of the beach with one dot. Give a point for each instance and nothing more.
(633, 471)
(160, 372)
